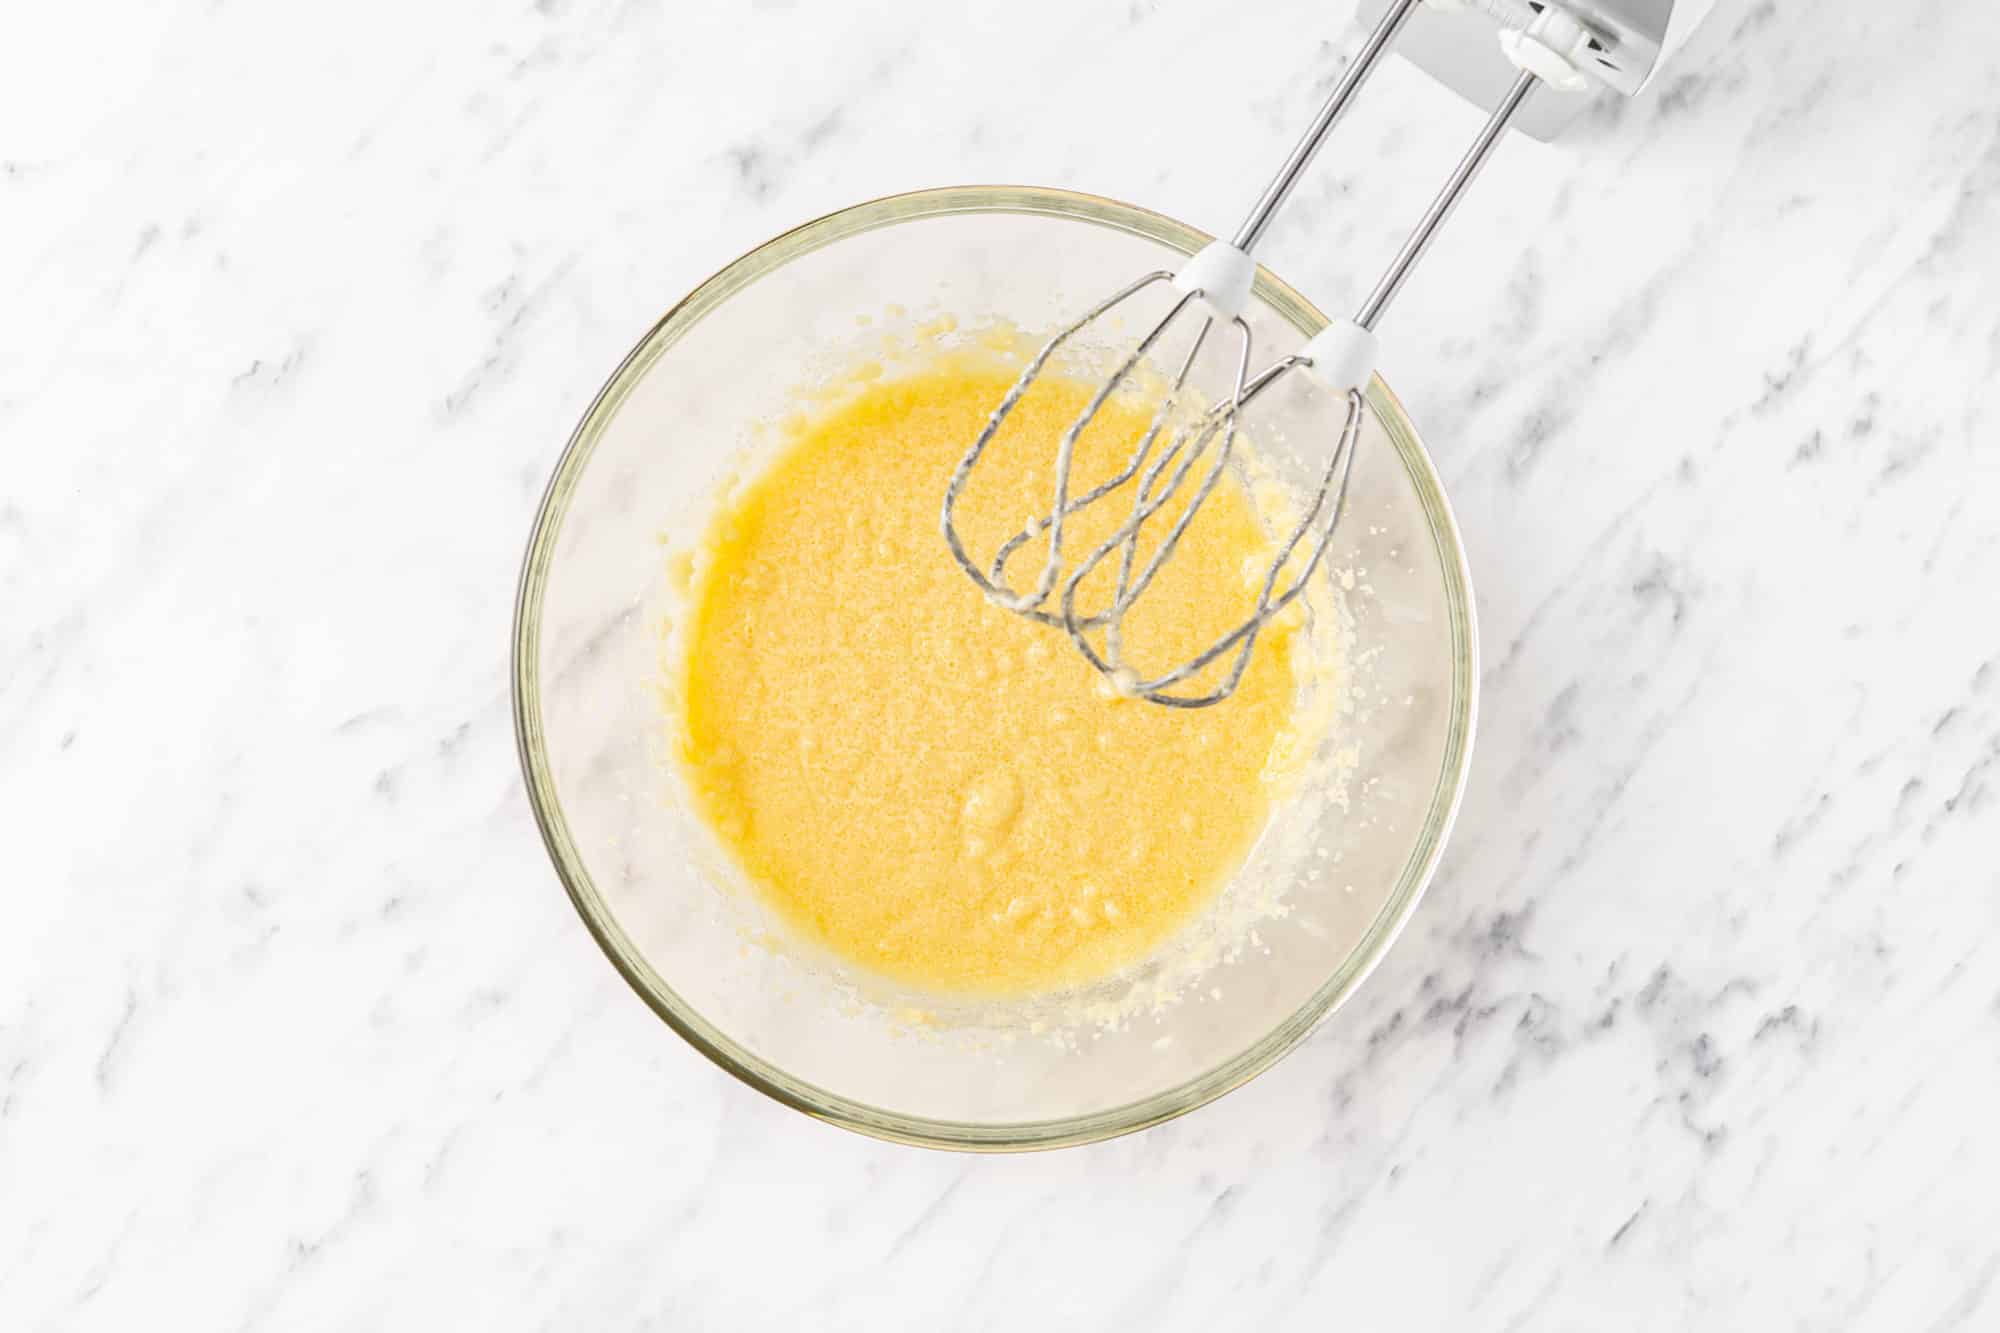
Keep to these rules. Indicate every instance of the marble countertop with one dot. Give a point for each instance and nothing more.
(1699, 1025)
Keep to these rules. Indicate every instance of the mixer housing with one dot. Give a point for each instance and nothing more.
(1452, 41)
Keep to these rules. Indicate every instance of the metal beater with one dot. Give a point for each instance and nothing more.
(1569, 47)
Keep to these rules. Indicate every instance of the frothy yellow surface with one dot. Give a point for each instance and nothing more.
(929, 785)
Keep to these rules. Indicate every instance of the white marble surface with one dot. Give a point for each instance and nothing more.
(1698, 1027)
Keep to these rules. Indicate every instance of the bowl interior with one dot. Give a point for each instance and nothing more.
(647, 463)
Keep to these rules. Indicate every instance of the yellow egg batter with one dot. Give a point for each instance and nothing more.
(925, 783)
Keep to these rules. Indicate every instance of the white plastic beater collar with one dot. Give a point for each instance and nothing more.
(1222, 274)
(1555, 48)
(1341, 356)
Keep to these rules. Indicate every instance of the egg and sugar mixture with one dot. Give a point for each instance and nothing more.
(931, 786)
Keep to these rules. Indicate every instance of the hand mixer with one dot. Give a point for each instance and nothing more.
(1569, 47)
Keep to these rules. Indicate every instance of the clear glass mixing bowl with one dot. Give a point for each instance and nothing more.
(649, 457)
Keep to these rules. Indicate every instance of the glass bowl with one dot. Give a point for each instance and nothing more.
(644, 466)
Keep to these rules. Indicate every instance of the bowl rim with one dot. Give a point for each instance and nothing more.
(763, 1075)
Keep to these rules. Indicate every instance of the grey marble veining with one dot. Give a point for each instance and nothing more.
(1699, 1025)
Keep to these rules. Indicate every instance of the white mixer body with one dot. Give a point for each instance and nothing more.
(1454, 42)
